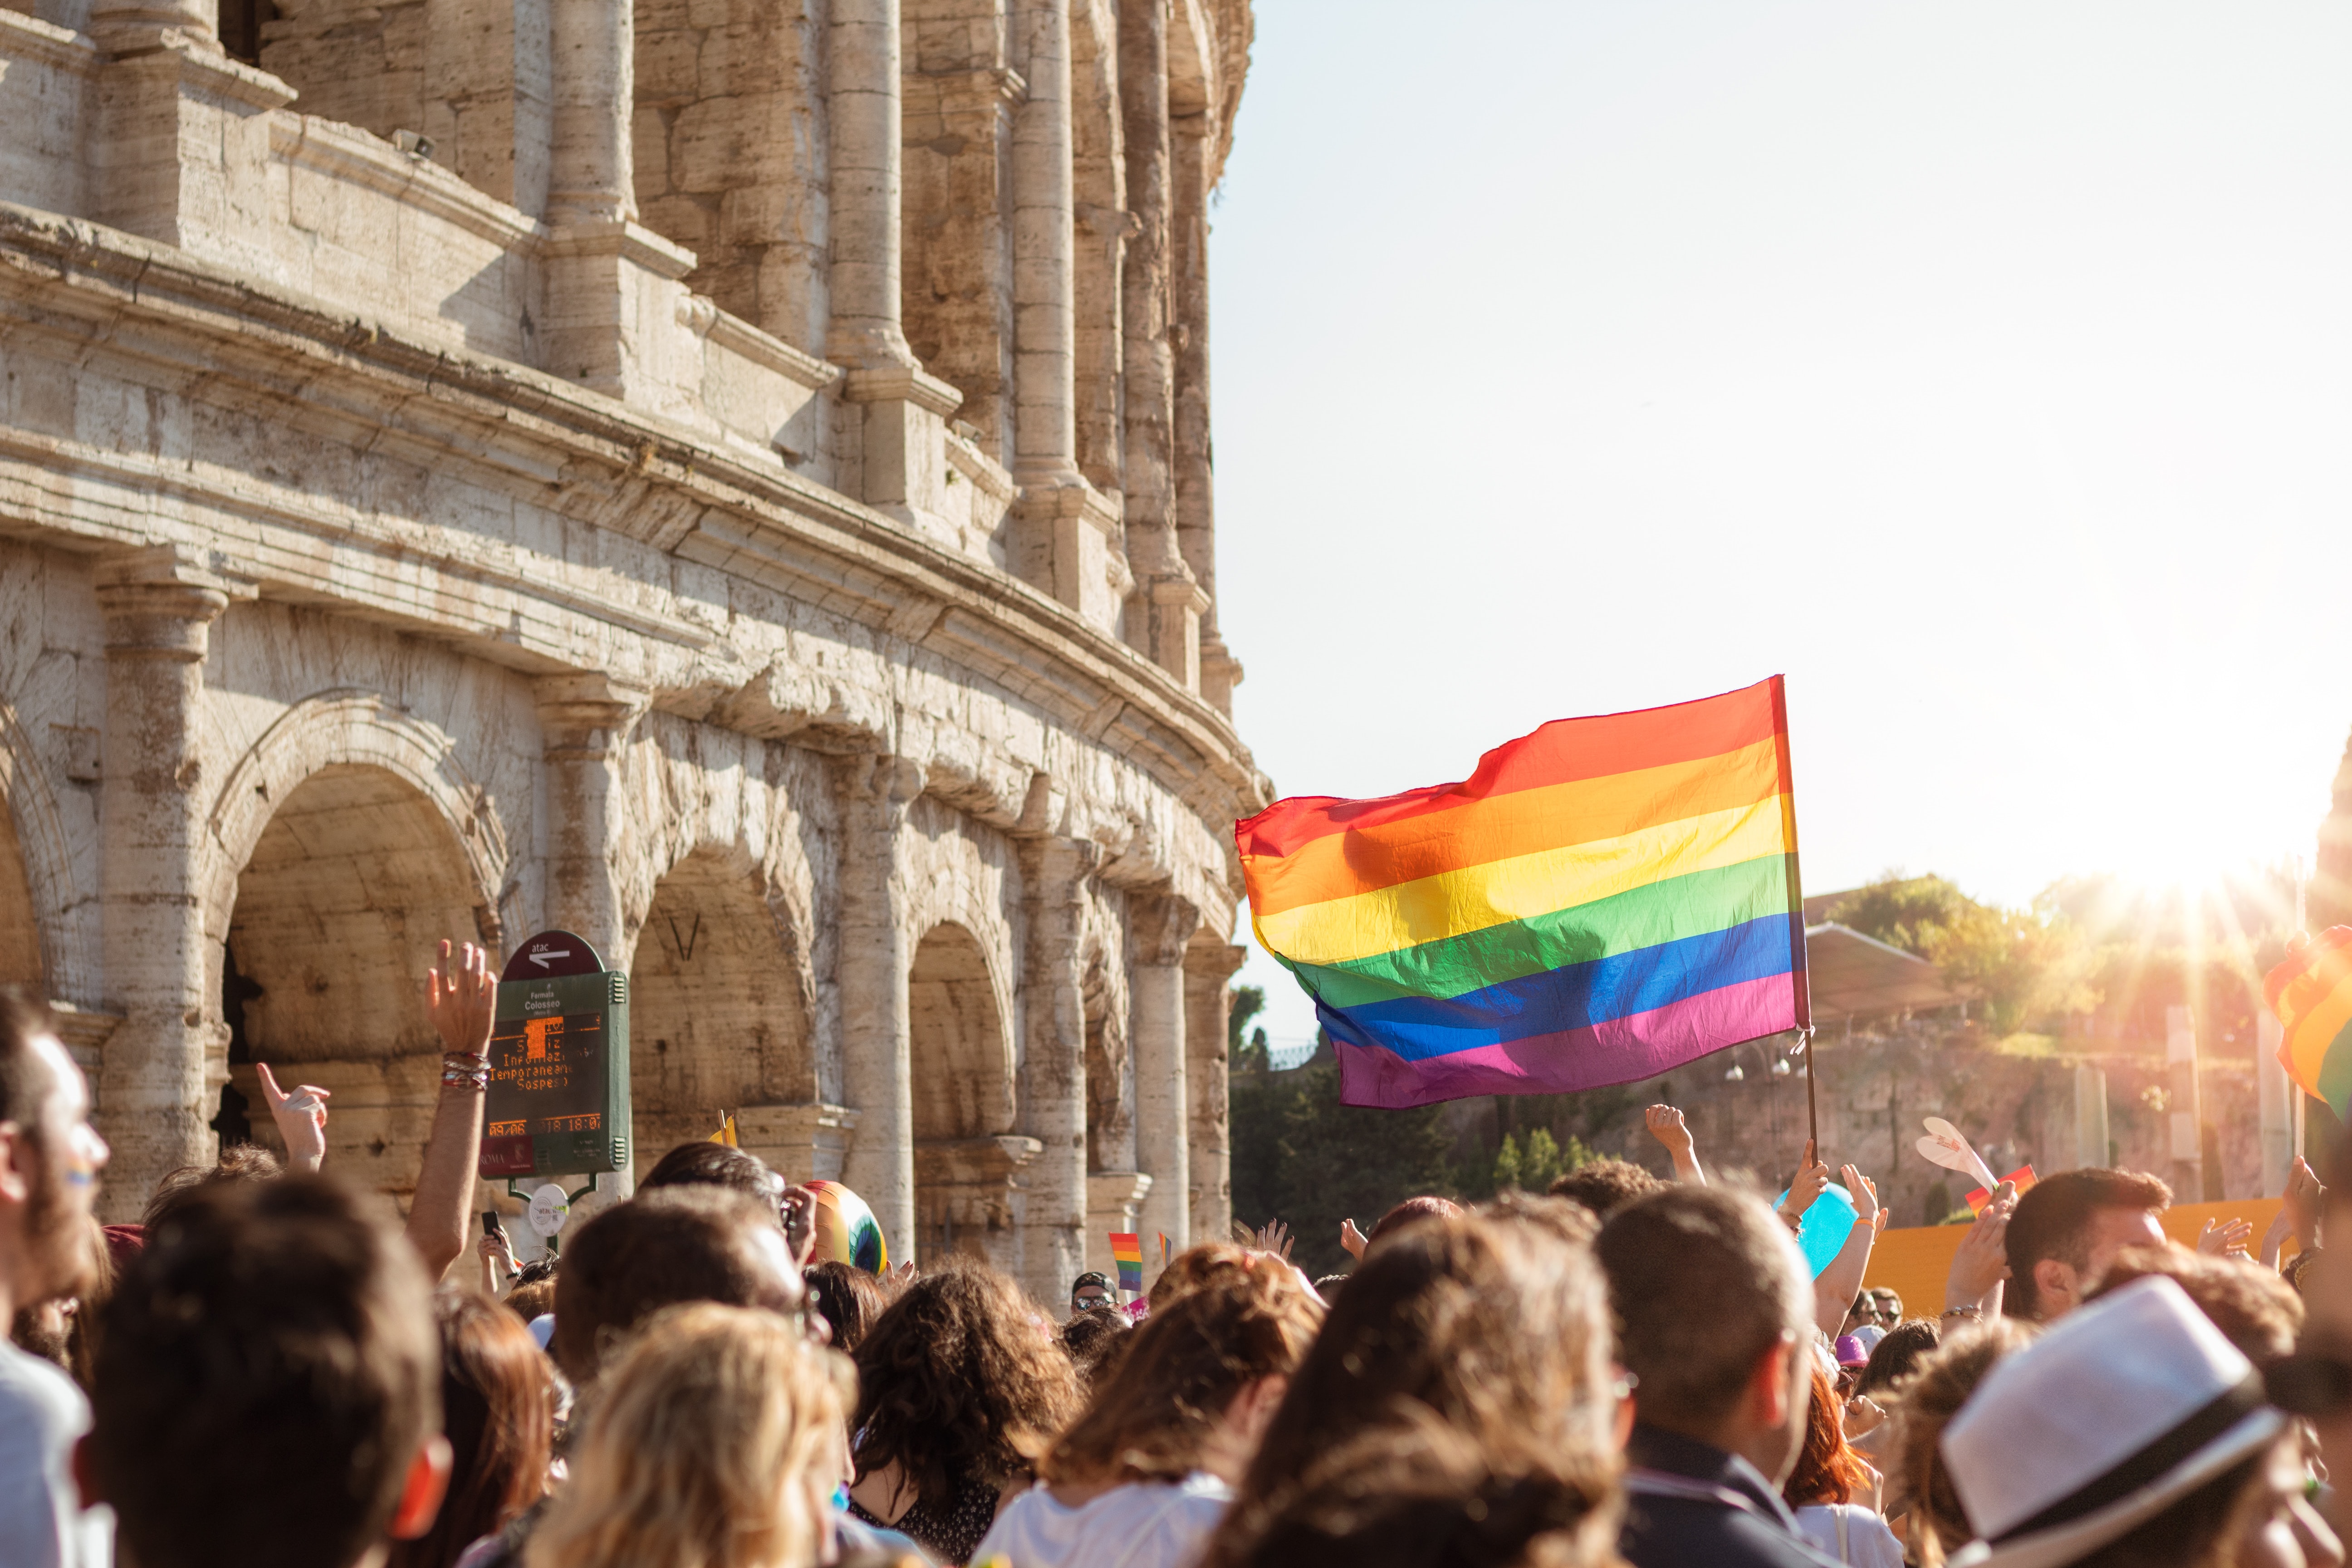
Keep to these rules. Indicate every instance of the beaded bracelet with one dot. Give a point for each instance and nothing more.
(459, 1070)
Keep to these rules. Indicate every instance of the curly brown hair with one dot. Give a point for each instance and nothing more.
(1184, 1368)
(1929, 1400)
(957, 1380)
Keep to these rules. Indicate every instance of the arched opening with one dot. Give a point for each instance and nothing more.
(339, 913)
(961, 1065)
(718, 1021)
(20, 928)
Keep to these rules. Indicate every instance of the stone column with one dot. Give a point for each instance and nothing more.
(1055, 873)
(1209, 966)
(1045, 257)
(590, 176)
(870, 972)
(1164, 616)
(584, 726)
(159, 606)
(1194, 152)
(862, 50)
(1159, 930)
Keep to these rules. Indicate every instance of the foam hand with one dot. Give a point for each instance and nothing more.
(1945, 1147)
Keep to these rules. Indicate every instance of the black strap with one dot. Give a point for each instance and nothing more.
(2148, 1463)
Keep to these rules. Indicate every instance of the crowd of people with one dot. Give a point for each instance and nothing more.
(274, 1371)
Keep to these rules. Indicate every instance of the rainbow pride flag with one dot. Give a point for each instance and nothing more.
(1602, 900)
(2312, 994)
(1127, 1251)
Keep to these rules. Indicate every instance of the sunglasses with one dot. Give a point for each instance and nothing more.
(1085, 1299)
(2309, 1384)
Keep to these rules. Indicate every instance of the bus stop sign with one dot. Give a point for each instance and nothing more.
(558, 1093)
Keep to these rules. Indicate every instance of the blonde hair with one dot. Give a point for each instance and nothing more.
(716, 1438)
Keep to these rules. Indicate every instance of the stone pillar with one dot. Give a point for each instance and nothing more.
(159, 606)
(2277, 1101)
(1045, 257)
(1164, 614)
(875, 793)
(1160, 929)
(591, 179)
(584, 723)
(862, 48)
(1193, 145)
(1055, 873)
(584, 726)
(1209, 966)
(2188, 1144)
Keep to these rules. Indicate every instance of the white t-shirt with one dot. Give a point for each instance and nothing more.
(1146, 1524)
(1849, 1532)
(42, 1521)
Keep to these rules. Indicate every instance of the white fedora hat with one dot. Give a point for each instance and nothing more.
(2125, 1408)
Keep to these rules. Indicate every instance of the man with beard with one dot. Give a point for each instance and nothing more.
(49, 1161)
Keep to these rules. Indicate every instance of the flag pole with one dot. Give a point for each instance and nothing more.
(1813, 1105)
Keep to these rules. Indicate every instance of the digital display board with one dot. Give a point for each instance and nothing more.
(558, 1102)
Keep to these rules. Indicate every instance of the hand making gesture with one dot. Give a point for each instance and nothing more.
(1666, 1125)
(1811, 1180)
(301, 1118)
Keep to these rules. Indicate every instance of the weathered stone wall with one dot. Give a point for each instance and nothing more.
(398, 545)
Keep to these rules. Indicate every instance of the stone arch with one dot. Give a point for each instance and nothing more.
(345, 844)
(47, 934)
(960, 1060)
(718, 1015)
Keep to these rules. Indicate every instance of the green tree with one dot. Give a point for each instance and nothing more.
(2018, 963)
(1300, 1156)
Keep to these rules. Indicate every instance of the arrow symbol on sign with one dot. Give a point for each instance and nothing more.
(540, 958)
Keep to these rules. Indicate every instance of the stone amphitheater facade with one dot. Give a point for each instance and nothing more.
(727, 478)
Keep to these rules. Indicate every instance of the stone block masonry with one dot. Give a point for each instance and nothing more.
(699, 472)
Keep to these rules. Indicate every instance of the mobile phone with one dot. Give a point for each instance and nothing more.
(491, 1225)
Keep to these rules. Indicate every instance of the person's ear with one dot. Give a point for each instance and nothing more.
(1768, 1383)
(2054, 1283)
(85, 1473)
(15, 1163)
(421, 1493)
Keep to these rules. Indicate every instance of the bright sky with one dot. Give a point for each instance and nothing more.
(1985, 368)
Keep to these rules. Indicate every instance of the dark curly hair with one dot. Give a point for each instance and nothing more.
(955, 1381)
(1604, 1186)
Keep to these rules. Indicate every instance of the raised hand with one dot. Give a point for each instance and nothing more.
(1865, 1198)
(1351, 1238)
(1811, 1180)
(461, 997)
(1666, 1125)
(301, 1118)
(2225, 1237)
(1275, 1237)
(1981, 1260)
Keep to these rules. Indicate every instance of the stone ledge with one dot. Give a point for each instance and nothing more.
(770, 523)
(347, 154)
(24, 37)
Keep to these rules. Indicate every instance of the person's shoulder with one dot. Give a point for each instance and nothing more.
(35, 1393)
(1673, 1532)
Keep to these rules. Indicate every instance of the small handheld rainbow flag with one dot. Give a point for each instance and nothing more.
(1127, 1251)
(1602, 901)
(2312, 994)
